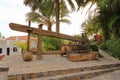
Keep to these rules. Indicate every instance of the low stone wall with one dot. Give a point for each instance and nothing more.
(3, 72)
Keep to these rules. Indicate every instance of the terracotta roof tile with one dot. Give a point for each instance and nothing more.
(20, 38)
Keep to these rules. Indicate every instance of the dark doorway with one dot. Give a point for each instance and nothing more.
(8, 51)
(0, 50)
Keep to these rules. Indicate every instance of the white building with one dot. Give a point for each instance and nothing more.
(3, 47)
(8, 47)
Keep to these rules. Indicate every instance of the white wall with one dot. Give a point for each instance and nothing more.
(33, 44)
(3, 46)
(11, 45)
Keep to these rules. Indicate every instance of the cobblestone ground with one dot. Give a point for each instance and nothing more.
(3, 75)
(109, 76)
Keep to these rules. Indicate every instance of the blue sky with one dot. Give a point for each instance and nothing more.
(15, 11)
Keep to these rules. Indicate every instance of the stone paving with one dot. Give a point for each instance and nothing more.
(109, 76)
(52, 62)
(3, 75)
(49, 62)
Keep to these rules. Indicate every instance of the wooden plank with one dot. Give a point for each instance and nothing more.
(50, 52)
(53, 52)
(24, 28)
(83, 56)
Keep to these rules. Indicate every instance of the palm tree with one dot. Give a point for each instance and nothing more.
(38, 4)
(57, 7)
(80, 3)
(45, 14)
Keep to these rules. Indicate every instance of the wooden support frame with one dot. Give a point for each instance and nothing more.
(40, 33)
(24, 28)
(39, 46)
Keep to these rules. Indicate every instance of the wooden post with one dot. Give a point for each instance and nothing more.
(39, 46)
(28, 38)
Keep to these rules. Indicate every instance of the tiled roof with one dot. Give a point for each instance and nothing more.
(20, 38)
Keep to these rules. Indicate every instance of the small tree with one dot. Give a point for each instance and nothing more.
(51, 43)
(22, 45)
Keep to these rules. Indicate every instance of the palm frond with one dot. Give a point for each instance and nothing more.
(65, 21)
(71, 4)
(34, 17)
(91, 5)
(63, 9)
(113, 21)
(33, 3)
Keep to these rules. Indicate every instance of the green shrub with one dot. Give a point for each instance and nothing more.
(94, 47)
(51, 43)
(113, 48)
(103, 46)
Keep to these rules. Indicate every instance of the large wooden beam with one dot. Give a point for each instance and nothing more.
(24, 28)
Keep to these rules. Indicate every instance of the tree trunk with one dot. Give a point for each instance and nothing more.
(49, 25)
(57, 6)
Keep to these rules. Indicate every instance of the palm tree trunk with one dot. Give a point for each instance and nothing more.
(57, 15)
(49, 25)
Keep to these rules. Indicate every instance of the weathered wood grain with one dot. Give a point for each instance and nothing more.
(24, 28)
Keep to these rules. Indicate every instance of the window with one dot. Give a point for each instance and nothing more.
(14, 49)
(0, 50)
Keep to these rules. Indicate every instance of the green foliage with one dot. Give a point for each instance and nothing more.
(45, 11)
(113, 46)
(51, 43)
(114, 26)
(22, 45)
(103, 46)
(106, 21)
(113, 20)
(92, 25)
(109, 18)
(77, 36)
(94, 47)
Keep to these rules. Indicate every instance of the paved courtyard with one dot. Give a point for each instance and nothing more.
(53, 62)
(109, 76)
